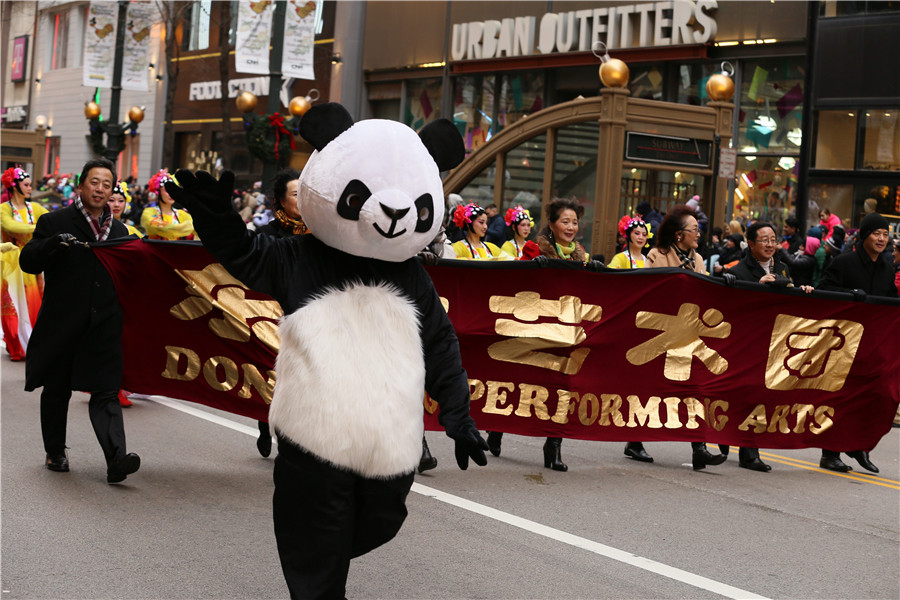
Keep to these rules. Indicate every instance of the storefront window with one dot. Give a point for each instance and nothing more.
(771, 105)
(521, 94)
(835, 139)
(423, 102)
(647, 82)
(473, 109)
(766, 188)
(881, 147)
(691, 88)
(480, 188)
(838, 198)
(524, 177)
(840, 8)
(575, 171)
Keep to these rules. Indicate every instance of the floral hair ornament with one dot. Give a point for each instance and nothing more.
(122, 190)
(14, 175)
(516, 215)
(633, 223)
(158, 180)
(465, 214)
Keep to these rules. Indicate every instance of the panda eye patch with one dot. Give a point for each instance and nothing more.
(352, 199)
(425, 213)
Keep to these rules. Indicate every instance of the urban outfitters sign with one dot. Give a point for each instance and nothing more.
(671, 23)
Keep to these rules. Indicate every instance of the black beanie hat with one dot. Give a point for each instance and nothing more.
(870, 223)
(836, 241)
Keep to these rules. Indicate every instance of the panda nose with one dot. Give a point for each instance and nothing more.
(395, 214)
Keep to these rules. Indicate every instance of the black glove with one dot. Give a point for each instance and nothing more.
(541, 261)
(202, 192)
(469, 443)
(428, 258)
(594, 265)
(729, 279)
(67, 240)
(858, 294)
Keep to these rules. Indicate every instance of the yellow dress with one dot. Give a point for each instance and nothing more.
(21, 292)
(623, 260)
(465, 251)
(512, 249)
(167, 227)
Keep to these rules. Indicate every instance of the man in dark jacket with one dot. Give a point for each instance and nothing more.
(759, 265)
(652, 218)
(867, 269)
(76, 342)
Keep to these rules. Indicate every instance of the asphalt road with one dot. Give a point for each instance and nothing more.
(195, 521)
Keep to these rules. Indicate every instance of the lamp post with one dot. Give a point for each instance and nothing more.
(115, 132)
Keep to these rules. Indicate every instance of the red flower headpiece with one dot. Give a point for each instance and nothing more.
(464, 214)
(516, 215)
(158, 180)
(12, 176)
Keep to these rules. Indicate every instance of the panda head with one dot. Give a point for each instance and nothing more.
(373, 189)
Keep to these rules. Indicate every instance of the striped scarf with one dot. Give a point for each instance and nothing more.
(101, 229)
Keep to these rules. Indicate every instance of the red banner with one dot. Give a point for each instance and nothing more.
(649, 355)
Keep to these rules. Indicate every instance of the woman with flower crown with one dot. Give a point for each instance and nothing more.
(518, 222)
(472, 220)
(21, 292)
(120, 203)
(164, 221)
(631, 257)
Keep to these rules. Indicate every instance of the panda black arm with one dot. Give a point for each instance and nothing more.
(445, 379)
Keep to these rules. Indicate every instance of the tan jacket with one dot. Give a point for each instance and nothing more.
(658, 258)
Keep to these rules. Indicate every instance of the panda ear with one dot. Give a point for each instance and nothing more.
(444, 143)
(323, 123)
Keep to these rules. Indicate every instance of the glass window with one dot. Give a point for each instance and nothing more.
(691, 84)
(521, 94)
(647, 82)
(771, 105)
(634, 190)
(835, 139)
(836, 197)
(129, 157)
(881, 145)
(423, 102)
(575, 171)
(523, 180)
(839, 8)
(59, 23)
(200, 25)
(480, 188)
(766, 189)
(473, 109)
(51, 156)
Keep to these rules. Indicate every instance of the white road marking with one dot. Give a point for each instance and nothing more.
(622, 556)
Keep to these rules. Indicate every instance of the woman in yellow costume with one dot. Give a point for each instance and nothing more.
(518, 221)
(472, 220)
(164, 221)
(21, 292)
(120, 203)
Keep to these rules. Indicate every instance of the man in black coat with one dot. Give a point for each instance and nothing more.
(868, 269)
(76, 344)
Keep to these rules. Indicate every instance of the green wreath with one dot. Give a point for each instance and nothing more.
(261, 141)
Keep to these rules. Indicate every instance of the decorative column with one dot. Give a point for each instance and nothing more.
(720, 89)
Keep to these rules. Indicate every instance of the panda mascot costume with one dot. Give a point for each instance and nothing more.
(363, 334)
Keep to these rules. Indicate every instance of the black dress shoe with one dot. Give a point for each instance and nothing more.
(427, 461)
(724, 449)
(756, 464)
(493, 441)
(833, 463)
(703, 457)
(264, 441)
(58, 462)
(118, 470)
(636, 451)
(862, 457)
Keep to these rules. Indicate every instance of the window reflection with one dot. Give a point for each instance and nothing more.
(766, 189)
(881, 141)
(771, 105)
(523, 180)
(423, 102)
(473, 109)
(575, 171)
(835, 139)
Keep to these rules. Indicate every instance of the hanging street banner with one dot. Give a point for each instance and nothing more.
(299, 39)
(136, 56)
(254, 34)
(645, 355)
(100, 45)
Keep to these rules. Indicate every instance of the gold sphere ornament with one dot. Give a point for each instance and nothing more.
(246, 102)
(299, 105)
(136, 114)
(720, 87)
(91, 110)
(614, 73)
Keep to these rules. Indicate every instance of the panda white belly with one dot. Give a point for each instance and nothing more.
(351, 377)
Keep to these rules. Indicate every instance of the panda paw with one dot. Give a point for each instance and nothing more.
(469, 444)
(202, 192)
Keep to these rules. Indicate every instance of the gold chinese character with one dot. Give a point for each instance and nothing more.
(680, 340)
(811, 354)
(530, 339)
(240, 315)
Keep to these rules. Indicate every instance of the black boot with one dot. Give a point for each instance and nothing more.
(703, 457)
(749, 459)
(553, 455)
(427, 461)
(724, 449)
(494, 439)
(636, 451)
(264, 441)
(862, 457)
(831, 460)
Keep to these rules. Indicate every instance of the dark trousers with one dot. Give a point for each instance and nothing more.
(325, 516)
(105, 413)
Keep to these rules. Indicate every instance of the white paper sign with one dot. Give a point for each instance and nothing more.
(299, 39)
(136, 58)
(727, 162)
(254, 33)
(100, 45)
